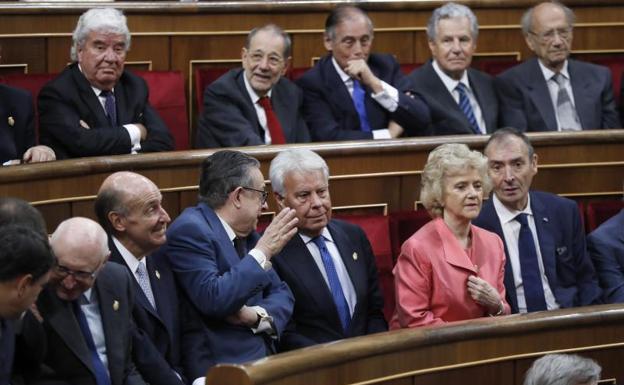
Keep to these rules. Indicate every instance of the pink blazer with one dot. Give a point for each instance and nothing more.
(431, 274)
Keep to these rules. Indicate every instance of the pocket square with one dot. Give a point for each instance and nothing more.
(561, 250)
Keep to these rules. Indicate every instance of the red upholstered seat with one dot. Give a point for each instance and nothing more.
(167, 96)
(494, 66)
(409, 67)
(295, 73)
(616, 65)
(598, 212)
(403, 224)
(203, 77)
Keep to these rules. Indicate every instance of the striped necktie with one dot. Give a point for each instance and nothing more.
(466, 108)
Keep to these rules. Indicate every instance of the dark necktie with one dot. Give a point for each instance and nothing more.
(275, 128)
(101, 375)
(110, 107)
(529, 267)
(566, 113)
(334, 283)
(240, 246)
(359, 96)
(466, 108)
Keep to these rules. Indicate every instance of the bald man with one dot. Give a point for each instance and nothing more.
(170, 345)
(83, 318)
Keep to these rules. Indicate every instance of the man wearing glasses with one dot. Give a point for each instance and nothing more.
(224, 266)
(552, 92)
(255, 104)
(82, 323)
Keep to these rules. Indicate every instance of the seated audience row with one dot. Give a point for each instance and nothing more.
(95, 107)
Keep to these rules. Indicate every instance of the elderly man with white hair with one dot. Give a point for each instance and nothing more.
(95, 107)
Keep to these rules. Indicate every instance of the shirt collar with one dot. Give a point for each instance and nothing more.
(325, 233)
(449, 82)
(127, 256)
(96, 90)
(548, 73)
(88, 296)
(228, 229)
(343, 75)
(506, 215)
(252, 94)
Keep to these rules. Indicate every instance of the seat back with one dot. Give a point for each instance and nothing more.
(204, 76)
(403, 224)
(598, 212)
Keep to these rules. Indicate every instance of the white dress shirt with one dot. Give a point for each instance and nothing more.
(131, 260)
(553, 87)
(262, 119)
(91, 309)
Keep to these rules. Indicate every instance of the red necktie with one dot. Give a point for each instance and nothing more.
(275, 128)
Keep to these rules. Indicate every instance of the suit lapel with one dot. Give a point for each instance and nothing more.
(442, 96)
(124, 115)
(484, 101)
(229, 252)
(338, 91)
(249, 106)
(536, 84)
(584, 99)
(283, 110)
(160, 283)
(544, 231)
(109, 303)
(453, 252)
(89, 97)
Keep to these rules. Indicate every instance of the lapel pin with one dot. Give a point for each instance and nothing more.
(115, 305)
(11, 121)
(545, 219)
(355, 256)
(157, 274)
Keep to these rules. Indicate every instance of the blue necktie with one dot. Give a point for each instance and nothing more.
(334, 283)
(359, 95)
(110, 108)
(529, 267)
(101, 375)
(464, 105)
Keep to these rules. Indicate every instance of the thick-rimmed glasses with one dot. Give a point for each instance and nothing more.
(78, 275)
(548, 36)
(264, 194)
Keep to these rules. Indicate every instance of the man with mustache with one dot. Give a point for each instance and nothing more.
(552, 92)
(462, 100)
(95, 107)
(256, 104)
(547, 265)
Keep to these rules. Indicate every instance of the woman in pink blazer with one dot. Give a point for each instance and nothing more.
(450, 270)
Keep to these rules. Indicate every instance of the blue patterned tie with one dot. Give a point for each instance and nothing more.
(464, 105)
(334, 283)
(359, 95)
(101, 375)
(529, 267)
(141, 274)
(110, 108)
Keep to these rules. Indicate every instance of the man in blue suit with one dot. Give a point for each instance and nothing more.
(552, 92)
(224, 266)
(547, 265)
(329, 265)
(170, 344)
(353, 94)
(606, 247)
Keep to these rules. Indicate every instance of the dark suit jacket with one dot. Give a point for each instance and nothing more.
(329, 111)
(229, 118)
(567, 265)
(171, 338)
(17, 138)
(606, 247)
(66, 355)
(219, 283)
(315, 318)
(446, 116)
(525, 102)
(7, 348)
(69, 98)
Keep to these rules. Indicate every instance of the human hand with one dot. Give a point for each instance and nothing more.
(39, 153)
(395, 129)
(281, 229)
(484, 294)
(142, 129)
(359, 69)
(246, 316)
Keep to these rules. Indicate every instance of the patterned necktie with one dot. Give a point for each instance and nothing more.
(110, 107)
(141, 274)
(275, 128)
(529, 267)
(359, 96)
(466, 108)
(334, 283)
(101, 375)
(566, 113)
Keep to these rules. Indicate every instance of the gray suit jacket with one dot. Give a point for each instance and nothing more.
(526, 104)
(446, 116)
(229, 118)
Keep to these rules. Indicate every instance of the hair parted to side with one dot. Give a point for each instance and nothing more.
(342, 13)
(299, 160)
(107, 20)
(451, 11)
(562, 369)
(502, 134)
(445, 160)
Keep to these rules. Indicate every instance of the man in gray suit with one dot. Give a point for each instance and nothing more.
(462, 100)
(552, 92)
(254, 105)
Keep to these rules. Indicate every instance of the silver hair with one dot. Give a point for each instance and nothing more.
(341, 13)
(443, 161)
(527, 18)
(109, 20)
(562, 369)
(297, 160)
(451, 11)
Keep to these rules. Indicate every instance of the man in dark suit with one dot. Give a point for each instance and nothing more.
(255, 104)
(329, 265)
(82, 322)
(17, 129)
(547, 265)
(462, 100)
(95, 107)
(552, 92)
(223, 265)
(353, 94)
(170, 343)
(606, 247)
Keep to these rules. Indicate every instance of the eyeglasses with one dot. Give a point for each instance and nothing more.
(264, 194)
(548, 36)
(78, 275)
(273, 60)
